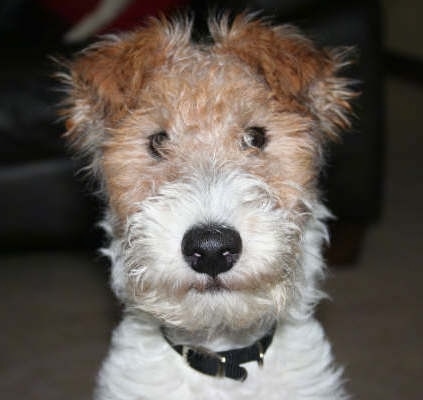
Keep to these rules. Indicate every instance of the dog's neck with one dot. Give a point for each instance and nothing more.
(218, 339)
(228, 363)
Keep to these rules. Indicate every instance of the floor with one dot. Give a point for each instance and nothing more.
(375, 319)
(57, 311)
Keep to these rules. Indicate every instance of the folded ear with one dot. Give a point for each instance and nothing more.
(104, 81)
(301, 76)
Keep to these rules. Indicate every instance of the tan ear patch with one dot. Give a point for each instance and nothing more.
(302, 77)
(105, 80)
(109, 75)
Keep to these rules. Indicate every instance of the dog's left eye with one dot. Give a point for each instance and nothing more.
(155, 144)
(255, 136)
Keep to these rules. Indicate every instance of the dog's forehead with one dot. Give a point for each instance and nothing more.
(201, 72)
(199, 86)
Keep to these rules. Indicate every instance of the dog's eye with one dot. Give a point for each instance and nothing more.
(155, 144)
(255, 136)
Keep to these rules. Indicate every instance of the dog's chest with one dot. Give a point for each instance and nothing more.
(142, 365)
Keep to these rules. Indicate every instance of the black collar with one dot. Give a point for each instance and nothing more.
(225, 363)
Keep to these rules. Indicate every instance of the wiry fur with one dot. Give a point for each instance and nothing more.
(207, 97)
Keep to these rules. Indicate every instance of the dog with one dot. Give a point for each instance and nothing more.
(208, 155)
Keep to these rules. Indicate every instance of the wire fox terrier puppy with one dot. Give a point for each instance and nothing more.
(208, 154)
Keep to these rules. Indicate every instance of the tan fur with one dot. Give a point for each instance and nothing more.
(205, 97)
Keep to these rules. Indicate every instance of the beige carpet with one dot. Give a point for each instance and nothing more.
(375, 319)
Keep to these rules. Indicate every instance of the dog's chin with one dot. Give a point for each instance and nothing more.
(208, 304)
(210, 285)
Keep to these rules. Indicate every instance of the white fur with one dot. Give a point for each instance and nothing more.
(275, 279)
(141, 365)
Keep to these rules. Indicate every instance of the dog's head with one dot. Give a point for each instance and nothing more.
(208, 155)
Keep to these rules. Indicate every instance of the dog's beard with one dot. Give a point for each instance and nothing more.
(150, 274)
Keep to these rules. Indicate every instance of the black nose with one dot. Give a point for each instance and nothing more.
(211, 249)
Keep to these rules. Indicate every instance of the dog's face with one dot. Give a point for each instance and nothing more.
(208, 156)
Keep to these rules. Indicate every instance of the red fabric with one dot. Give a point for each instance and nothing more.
(72, 11)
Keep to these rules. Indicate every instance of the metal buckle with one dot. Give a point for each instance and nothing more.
(260, 359)
(221, 366)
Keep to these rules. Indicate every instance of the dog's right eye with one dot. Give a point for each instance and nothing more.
(155, 144)
(255, 137)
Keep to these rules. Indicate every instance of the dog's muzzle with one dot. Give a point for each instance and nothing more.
(211, 249)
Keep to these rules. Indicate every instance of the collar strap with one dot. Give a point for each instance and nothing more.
(225, 363)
